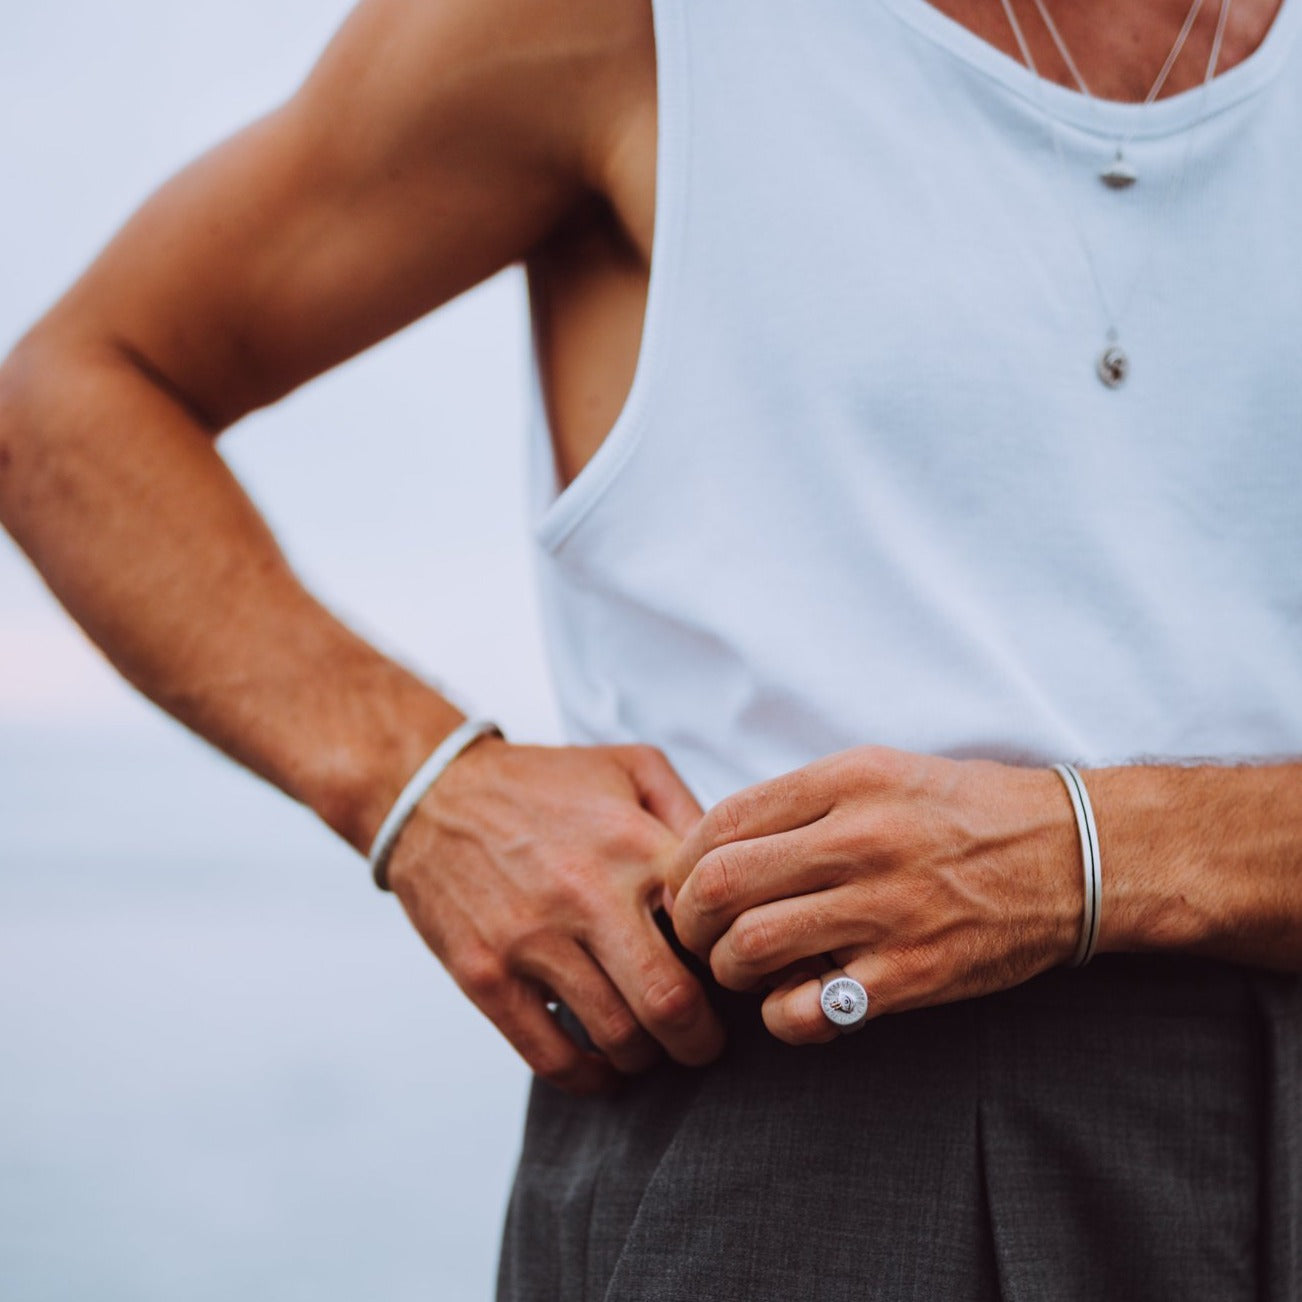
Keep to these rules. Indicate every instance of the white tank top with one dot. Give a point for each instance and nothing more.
(867, 486)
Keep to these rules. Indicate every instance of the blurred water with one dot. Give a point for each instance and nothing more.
(228, 1068)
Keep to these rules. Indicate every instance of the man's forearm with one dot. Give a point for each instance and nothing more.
(115, 490)
(1204, 858)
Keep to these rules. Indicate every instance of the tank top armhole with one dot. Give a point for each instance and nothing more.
(558, 514)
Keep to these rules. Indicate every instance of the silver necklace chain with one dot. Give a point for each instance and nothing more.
(1113, 363)
(1119, 173)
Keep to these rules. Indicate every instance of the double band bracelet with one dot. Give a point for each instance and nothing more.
(1089, 848)
(414, 792)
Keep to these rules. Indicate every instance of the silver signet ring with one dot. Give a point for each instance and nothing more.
(844, 1001)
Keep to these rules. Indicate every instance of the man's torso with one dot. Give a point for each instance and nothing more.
(588, 281)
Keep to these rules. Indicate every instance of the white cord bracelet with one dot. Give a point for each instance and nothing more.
(1089, 848)
(414, 792)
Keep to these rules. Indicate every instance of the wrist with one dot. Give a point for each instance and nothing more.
(461, 738)
(384, 725)
(1037, 830)
(1154, 879)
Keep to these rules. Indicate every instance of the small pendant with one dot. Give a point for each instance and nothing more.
(1118, 175)
(1113, 366)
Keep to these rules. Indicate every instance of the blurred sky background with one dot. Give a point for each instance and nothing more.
(228, 1068)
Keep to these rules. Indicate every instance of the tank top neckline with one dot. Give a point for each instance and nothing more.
(1105, 117)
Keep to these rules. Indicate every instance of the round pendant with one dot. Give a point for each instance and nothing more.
(1118, 175)
(1113, 366)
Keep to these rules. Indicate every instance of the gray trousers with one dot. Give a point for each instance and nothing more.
(1132, 1130)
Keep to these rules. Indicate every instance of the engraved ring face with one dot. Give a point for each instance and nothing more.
(845, 1002)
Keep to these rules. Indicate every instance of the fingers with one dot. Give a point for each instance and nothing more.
(779, 805)
(794, 973)
(663, 792)
(534, 877)
(733, 878)
(664, 996)
(896, 980)
(573, 976)
(767, 938)
(794, 1014)
(520, 1012)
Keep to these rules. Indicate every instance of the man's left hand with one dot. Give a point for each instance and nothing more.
(926, 879)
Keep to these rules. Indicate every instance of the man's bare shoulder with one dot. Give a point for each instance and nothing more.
(542, 80)
(433, 143)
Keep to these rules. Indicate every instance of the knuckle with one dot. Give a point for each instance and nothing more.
(557, 1065)
(559, 895)
(652, 756)
(671, 1002)
(569, 891)
(715, 881)
(528, 947)
(724, 821)
(752, 940)
(630, 833)
(482, 975)
(619, 1030)
(732, 815)
(874, 765)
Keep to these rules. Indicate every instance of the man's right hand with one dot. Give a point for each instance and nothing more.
(533, 873)
(432, 145)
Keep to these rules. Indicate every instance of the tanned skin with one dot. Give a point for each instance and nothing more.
(436, 142)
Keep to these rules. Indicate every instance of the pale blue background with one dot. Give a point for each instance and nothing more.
(228, 1068)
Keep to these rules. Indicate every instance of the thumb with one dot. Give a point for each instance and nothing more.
(663, 793)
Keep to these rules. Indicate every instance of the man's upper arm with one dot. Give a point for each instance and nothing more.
(435, 142)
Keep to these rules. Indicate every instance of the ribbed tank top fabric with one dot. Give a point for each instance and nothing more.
(867, 487)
